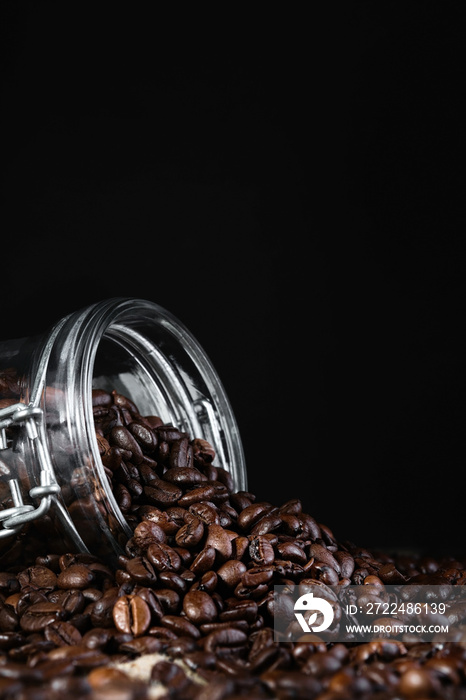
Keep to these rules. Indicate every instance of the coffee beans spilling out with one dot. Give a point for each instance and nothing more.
(188, 610)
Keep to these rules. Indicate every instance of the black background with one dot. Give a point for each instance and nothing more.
(292, 187)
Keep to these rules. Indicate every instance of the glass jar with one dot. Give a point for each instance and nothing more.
(53, 485)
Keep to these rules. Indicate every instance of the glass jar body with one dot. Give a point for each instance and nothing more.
(52, 479)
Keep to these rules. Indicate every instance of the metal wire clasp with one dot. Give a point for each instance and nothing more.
(13, 519)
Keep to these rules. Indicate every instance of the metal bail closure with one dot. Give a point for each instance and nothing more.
(13, 519)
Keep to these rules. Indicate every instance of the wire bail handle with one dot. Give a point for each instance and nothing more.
(12, 520)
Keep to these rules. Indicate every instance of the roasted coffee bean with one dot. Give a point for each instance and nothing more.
(183, 476)
(144, 436)
(207, 582)
(219, 539)
(148, 533)
(181, 454)
(141, 570)
(161, 518)
(199, 607)
(230, 573)
(203, 452)
(162, 493)
(240, 610)
(8, 618)
(191, 533)
(62, 632)
(38, 577)
(132, 615)
(146, 644)
(163, 557)
(170, 675)
(261, 551)
(39, 615)
(205, 492)
(204, 561)
(101, 612)
(266, 524)
(248, 517)
(169, 600)
(76, 576)
(149, 596)
(225, 638)
(205, 511)
(257, 576)
(170, 579)
(291, 552)
(181, 626)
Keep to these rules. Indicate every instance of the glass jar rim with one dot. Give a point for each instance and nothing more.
(122, 321)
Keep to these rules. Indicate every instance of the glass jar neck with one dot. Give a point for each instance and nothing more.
(138, 349)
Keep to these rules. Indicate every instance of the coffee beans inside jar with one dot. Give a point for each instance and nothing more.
(190, 599)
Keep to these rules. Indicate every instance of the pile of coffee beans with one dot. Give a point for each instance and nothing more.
(187, 612)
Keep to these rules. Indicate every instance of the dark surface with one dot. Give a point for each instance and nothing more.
(295, 193)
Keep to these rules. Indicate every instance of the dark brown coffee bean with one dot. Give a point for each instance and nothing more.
(132, 615)
(100, 397)
(163, 519)
(230, 572)
(123, 401)
(147, 533)
(170, 579)
(101, 612)
(62, 632)
(204, 561)
(291, 551)
(199, 607)
(97, 637)
(205, 492)
(240, 610)
(257, 576)
(162, 493)
(39, 615)
(230, 637)
(76, 576)
(181, 626)
(219, 539)
(239, 547)
(121, 437)
(8, 618)
(144, 436)
(183, 476)
(181, 454)
(149, 596)
(169, 600)
(39, 577)
(322, 554)
(191, 533)
(141, 570)
(207, 582)
(291, 683)
(146, 644)
(203, 451)
(170, 675)
(220, 494)
(163, 557)
(252, 513)
(206, 511)
(12, 670)
(346, 563)
(261, 551)
(271, 521)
